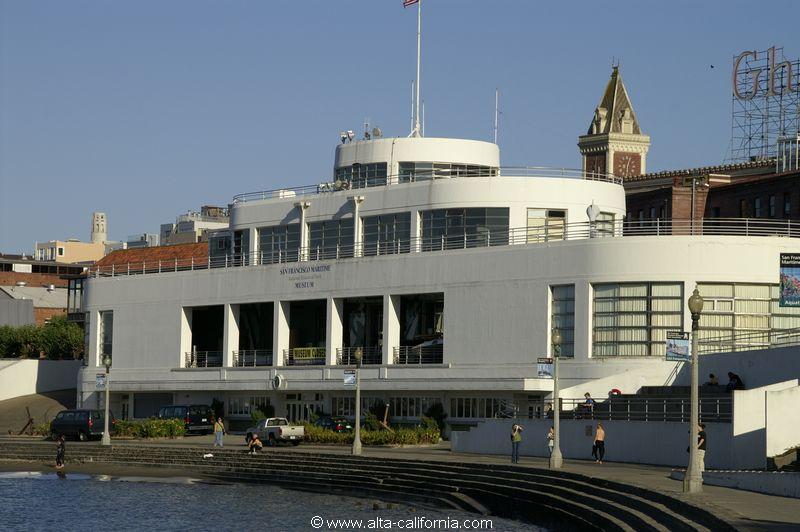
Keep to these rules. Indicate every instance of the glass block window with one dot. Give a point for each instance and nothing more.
(362, 175)
(546, 224)
(387, 234)
(331, 239)
(279, 243)
(463, 228)
(425, 171)
(562, 317)
(741, 315)
(632, 319)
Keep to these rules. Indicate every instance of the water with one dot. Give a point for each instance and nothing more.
(42, 501)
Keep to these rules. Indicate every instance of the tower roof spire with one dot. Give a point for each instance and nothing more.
(615, 112)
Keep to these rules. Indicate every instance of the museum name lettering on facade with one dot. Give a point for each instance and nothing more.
(772, 87)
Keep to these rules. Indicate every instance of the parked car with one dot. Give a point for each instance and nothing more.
(334, 423)
(196, 418)
(81, 424)
(274, 430)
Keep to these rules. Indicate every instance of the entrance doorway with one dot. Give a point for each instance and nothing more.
(299, 407)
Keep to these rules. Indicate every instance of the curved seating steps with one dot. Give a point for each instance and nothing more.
(507, 491)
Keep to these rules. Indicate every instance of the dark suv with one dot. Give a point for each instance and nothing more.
(80, 424)
(196, 418)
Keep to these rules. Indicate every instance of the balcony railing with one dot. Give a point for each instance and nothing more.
(676, 409)
(304, 356)
(485, 239)
(749, 341)
(433, 175)
(429, 354)
(345, 356)
(248, 358)
(204, 359)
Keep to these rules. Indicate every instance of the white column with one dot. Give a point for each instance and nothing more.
(358, 244)
(252, 246)
(280, 331)
(416, 231)
(333, 329)
(391, 327)
(583, 320)
(303, 205)
(186, 336)
(230, 335)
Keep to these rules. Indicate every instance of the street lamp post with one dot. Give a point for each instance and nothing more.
(357, 433)
(693, 480)
(106, 436)
(556, 460)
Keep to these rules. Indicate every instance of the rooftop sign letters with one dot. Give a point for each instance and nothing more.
(748, 80)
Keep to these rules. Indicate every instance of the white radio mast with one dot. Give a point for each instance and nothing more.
(417, 130)
(496, 111)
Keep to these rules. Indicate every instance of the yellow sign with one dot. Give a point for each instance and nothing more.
(305, 353)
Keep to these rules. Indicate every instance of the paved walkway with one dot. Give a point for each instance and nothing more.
(745, 510)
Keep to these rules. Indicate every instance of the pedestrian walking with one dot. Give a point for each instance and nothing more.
(702, 439)
(599, 446)
(551, 437)
(516, 439)
(61, 450)
(219, 431)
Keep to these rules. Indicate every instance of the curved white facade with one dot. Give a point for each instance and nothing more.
(489, 302)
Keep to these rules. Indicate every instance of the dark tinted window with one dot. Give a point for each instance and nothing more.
(167, 412)
(82, 416)
(181, 411)
(60, 415)
(97, 414)
(69, 416)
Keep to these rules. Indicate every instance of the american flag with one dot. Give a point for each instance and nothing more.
(407, 3)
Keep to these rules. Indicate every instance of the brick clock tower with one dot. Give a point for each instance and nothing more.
(614, 143)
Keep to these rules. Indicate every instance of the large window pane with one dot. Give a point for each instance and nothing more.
(563, 317)
(279, 243)
(331, 239)
(387, 234)
(463, 228)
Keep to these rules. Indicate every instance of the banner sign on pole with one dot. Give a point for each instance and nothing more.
(790, 280)
(100, 381)
(679, 348)
(349, 377)
(544, 368)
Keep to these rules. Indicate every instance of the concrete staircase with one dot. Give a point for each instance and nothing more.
(561, 500)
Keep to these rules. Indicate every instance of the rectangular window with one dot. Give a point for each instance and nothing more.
(787, 205)
(279, 243)
(652, 213)
(632, 319)
(562, 316)
(387, 234)
(331, 239)
(410, 407)
(244, 405)
(757, 209)
(477, 407)
(744, 209)
(546, 224)
(241, 247)
(604, 226)
(60, 252)
(362, 175)
(743, 316)
(425, 171)
(773, 206)
(105, 332)
(464, 228)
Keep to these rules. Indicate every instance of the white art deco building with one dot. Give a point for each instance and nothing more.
(447, 271)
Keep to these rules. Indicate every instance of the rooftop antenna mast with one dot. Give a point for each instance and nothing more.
(417, 130)
(496, 111)
(412, 104)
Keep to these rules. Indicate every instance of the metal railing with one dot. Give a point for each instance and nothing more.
(345, 356)
(419, 176)
(749, 341)
(304, 356)
(429, 354)
(204, 359)
(246, 358)
(510, 237)
(677, 409)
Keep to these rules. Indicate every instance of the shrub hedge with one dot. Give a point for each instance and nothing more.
(149, 428)
(426, 433)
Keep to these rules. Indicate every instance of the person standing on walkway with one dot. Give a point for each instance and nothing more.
(516, 439)
(702, 438)
(551, 436)
(61, 450)
(599, 447)
(219, 431)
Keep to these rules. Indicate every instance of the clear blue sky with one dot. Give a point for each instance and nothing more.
(150, 108)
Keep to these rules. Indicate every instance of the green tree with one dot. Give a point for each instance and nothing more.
(60, 339)
(28, 341)
(8, 342)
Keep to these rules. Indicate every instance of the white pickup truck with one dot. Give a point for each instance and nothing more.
(274, 430)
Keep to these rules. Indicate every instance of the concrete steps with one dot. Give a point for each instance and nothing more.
(534, 495)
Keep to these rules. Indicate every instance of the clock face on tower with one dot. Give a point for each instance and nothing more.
(596, 163)
(627, 164)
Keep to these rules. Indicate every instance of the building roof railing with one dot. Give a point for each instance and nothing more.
(424, 175)
(545, 234)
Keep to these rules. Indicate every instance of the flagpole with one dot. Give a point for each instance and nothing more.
(496, 102)
(417, 131)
